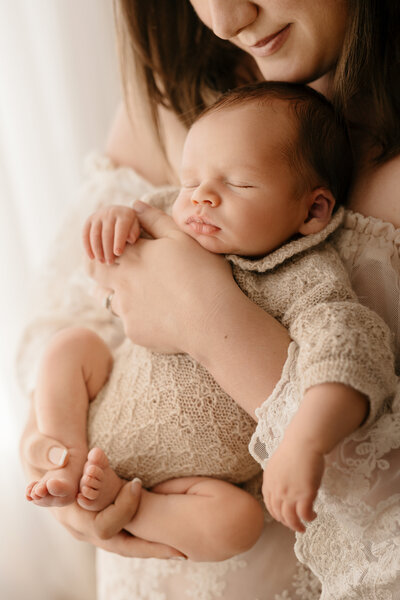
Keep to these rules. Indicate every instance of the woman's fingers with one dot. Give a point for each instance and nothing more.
(46, 453)
(81, 524)
(154, 221)
(129, 546)
(112, 519)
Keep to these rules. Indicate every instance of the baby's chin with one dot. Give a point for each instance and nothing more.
(211, 243)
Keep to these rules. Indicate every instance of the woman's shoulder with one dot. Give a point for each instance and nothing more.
(133, 142)
(377, 194)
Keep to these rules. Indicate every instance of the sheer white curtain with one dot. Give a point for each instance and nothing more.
(58, 90)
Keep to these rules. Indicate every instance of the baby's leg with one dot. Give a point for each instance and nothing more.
(74, 368)
(205, 519)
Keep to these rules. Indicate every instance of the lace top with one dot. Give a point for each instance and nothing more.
(354, 544)
(370, 250)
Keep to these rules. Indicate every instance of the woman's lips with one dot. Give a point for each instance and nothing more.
(270, 44)
(201, 225)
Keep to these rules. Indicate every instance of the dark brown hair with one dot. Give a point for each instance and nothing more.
(179, 61)
(319, 149)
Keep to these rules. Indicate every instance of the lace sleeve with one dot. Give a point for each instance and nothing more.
(61, 295)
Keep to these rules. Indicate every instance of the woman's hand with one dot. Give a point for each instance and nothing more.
(165, 288)
(40, 453)
(174, 296)
(84, 525)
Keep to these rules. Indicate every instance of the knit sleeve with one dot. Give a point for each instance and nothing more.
(342, 341)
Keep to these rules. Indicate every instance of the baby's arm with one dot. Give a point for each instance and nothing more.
(327, 414)
(108, 230)
(205, 519)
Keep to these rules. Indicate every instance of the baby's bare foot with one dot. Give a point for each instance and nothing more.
(58, 487)
(99, 485)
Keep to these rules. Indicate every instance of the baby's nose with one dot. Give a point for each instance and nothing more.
(205, 197)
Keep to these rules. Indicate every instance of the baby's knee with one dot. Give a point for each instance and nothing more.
(247, 524)
(238, 526)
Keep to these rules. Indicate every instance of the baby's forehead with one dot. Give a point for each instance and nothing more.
(270, 126)
(253, 112)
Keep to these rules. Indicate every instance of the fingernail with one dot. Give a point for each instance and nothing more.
(139, 206)
(135, 484)
(57, 455)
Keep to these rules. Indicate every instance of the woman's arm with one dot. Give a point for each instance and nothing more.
(376, 193)
(132, 142)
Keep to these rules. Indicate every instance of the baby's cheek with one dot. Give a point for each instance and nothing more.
(178, 211)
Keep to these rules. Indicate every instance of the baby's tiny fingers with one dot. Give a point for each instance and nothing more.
(122, 228)
(134, 232)
(86, 238)
(305, 509)
(291, 518)
(267, 500)
(276, 504)
(96, 240)
(107, 236)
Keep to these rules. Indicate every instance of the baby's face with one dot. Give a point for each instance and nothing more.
(238, 193)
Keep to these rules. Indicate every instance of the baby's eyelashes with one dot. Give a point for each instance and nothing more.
(239, 184)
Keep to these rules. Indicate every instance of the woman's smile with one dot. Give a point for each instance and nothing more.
(270, 44)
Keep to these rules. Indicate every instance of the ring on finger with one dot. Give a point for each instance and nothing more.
(107, 303)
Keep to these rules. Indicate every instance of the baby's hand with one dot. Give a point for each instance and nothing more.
(107, 231)
(290, 484)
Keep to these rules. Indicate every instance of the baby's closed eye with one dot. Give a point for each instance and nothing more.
(239, 184)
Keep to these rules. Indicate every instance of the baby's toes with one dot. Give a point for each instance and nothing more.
(89, 492)
(90, 482)
(39, 490)
(84, 502)
(93, 473)
(97, 457)
(29, 489)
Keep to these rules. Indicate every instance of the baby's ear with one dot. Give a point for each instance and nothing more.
(320, 203)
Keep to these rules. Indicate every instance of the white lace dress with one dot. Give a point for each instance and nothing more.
(354, 544)
(270, 570)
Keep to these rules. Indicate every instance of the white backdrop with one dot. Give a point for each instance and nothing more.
(58, 90)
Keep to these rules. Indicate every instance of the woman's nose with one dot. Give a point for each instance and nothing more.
(229, 17)
(205, 196)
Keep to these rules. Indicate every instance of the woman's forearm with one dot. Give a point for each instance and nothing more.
(243, 347)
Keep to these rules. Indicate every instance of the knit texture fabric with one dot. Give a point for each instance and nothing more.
(162, 416)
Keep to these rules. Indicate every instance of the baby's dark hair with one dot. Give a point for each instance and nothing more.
(321, 152)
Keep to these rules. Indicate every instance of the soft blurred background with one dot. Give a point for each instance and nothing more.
(59, 87)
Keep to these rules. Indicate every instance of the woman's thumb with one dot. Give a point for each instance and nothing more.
(153, 220)
(44, 453)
